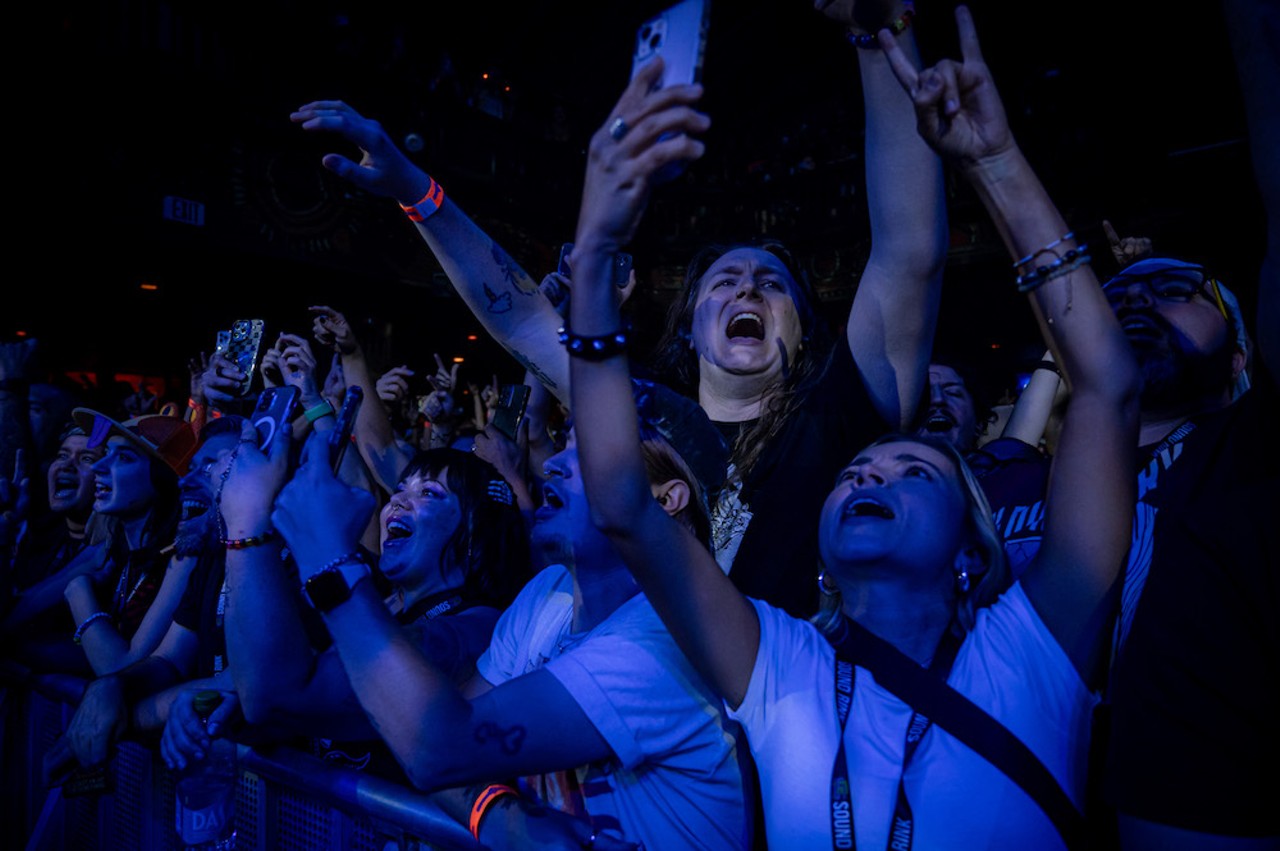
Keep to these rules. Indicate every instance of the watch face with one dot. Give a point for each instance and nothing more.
(327, 589)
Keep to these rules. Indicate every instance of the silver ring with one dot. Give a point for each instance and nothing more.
(618, 129)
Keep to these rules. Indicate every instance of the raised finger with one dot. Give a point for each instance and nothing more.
(899, 63)
(1110, 231)
(969, 47)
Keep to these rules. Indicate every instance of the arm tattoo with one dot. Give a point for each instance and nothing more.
(516, 277)
(534, 370)
(497, 303)
(510, 740)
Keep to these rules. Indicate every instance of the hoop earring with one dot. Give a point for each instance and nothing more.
(962, 580)
(827, 590)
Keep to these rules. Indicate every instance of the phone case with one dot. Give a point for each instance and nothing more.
(679, 35)
(274, 411)
(511, 405)
(346, 425)
(242, 345)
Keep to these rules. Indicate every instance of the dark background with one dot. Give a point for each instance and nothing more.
(1130, 111)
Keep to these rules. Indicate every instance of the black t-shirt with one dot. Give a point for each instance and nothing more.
(199, 612)
(777, 558)
(1014, 476)
(1195, 691)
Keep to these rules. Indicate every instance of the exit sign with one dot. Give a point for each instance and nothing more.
(183, 210)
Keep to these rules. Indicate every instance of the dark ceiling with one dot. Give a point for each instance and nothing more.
(1129, 111)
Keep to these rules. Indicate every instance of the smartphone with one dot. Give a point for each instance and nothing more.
(242, 345)
(622, 263)
(512, 399)
(679, 35)
(346, 424)
(275, 411)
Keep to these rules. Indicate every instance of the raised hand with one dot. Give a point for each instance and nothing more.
(247, 480)
(1129, 249)
(393, 385)
(298, 366)
(383, 168)
(320, 517)
(270, 367)
(629, 150)
(445, 378)
(196, 367)
(958, 110)
(332, 330)
(221, 381)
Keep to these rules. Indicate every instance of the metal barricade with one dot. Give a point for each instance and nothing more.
(286, 800)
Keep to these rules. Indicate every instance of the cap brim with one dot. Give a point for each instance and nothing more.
(100, 427)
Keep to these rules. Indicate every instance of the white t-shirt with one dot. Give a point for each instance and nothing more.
(675, 780)
(1009, 665)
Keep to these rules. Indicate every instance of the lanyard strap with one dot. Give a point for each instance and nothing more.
(966, 721)
(902, 829)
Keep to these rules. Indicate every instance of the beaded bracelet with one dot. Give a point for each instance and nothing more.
(427, 205)
(1069, 262)
(354, 555)
(251, 541)
(595, 348)
(484, 801)
(84, 624)
(1047, 249)
(324, 409)
(869, 41)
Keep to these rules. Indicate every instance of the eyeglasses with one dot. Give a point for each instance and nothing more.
(1170, 285)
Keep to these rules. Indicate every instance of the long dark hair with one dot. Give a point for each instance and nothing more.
(491, 542)
(675, 360)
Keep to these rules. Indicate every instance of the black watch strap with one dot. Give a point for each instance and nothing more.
(332, 586)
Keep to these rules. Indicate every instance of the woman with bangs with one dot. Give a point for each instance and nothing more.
(913, 569)
(454, 553)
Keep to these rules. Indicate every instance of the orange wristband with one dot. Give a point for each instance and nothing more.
(485, 800)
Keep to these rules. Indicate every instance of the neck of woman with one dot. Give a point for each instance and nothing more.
(914, 621)
(734, 398)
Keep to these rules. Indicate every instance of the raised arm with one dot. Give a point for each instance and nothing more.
(527, 725)
(1091, 490)
(278, 677)
(711, 621)
(375, 438)
(895, 310)
(501, 294)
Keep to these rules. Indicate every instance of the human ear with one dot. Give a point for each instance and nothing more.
(673, 495)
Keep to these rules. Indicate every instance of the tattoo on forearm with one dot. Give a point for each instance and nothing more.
(516, 277)
(534, 370)
(511, 740)
(497, 303)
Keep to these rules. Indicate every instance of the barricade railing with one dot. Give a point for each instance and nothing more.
(286, 800)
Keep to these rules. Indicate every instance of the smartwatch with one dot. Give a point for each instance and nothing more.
(332, 586)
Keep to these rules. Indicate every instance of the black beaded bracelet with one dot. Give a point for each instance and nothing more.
(595, 348)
